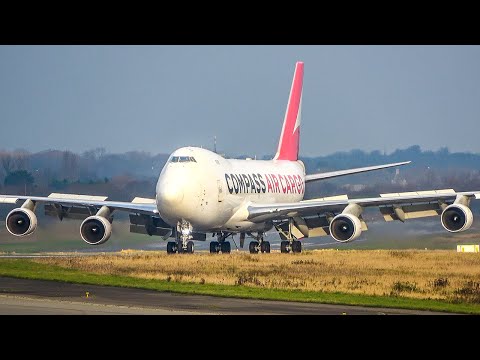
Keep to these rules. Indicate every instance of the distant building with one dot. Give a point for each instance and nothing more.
(399, 180)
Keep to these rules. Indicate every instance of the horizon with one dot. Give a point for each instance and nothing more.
(259, 157)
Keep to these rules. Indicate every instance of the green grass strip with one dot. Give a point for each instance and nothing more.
(28, 269)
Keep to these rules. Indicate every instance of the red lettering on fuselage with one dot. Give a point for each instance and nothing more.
(275, 181)
(297, 183)
(269, 184)
(289, 184)
(280, 178)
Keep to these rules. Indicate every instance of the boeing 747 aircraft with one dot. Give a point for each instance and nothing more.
(200, 192)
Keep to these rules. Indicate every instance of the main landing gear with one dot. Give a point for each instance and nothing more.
(294, 246)
(221, 244)
(259, 245)
(183, 244)
(291, 244)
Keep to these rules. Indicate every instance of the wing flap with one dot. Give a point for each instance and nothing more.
(67, 212)
(330, 198)
(420, 193)
(8, 200)
(77, 197)
(402, 213)
(139, 200)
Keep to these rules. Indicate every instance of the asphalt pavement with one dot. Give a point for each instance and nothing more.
(22, 296)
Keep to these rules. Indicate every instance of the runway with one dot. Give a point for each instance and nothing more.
(26, 297)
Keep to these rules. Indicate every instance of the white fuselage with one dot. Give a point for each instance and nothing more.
(213, 193)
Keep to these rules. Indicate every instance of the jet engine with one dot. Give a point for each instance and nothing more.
(456, 218)
(21, 222)
(95, 230)
(345, 227)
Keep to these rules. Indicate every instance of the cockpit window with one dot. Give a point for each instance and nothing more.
(182, 159)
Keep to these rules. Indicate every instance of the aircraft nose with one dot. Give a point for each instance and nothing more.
(171, 194)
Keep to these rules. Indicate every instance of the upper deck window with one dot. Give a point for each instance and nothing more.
(182, 159)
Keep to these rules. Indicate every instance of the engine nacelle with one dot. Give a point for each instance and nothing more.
(345, 227)
(95, 230)
(21, 222)
(456, 218)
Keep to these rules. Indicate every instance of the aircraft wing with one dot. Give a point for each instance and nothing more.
(417, 201)
(138, 205)
(333, 174)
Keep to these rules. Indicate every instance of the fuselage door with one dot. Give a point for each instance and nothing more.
(221, 194)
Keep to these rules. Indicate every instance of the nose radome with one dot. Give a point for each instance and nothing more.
(171, 194)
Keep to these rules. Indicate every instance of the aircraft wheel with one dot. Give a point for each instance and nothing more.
(190, 246)
(253, 247)
(265, 247)
(284, 247)
(171, 247)
(214, 247)
(225, 247)
(297, 246)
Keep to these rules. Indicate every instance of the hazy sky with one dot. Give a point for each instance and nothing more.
(159, 98)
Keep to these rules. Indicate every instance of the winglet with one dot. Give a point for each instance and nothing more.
(290, 137)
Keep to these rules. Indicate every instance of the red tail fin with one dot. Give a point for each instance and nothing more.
(290, 137)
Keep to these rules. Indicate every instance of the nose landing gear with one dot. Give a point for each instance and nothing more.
(183, 244)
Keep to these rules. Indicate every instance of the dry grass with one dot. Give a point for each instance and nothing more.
(440, 274)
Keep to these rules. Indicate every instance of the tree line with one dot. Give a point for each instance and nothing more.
(124, 176)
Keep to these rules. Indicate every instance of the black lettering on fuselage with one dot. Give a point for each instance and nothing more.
(227, 178)
(247, 182)
(252, 185)
(241, 184)
(235, 183)
(257, 184)
(263, 187)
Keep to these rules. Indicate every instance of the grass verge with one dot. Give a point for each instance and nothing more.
(27, 269)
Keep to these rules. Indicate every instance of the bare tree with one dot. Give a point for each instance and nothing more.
(70, 165)
(7, 162)
(21, 159)
(99, 152)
